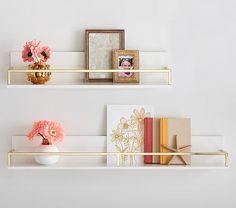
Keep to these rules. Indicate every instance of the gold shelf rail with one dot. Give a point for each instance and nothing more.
(118, 155)
(166, 70)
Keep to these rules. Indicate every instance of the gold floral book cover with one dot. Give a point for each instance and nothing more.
(125, 132)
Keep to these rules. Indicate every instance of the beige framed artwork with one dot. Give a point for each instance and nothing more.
(99, 45)
(126, 60)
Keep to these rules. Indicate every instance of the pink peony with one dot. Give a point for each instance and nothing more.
(44, 53)
(49, 130)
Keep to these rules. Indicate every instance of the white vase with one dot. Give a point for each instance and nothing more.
(46, 160)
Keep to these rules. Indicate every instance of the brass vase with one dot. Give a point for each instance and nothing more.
(39, 77)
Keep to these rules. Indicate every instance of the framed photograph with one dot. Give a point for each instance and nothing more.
(125, 132)
(126, 60)
(99, 45)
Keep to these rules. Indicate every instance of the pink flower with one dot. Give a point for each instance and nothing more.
(32, 52)
(33, 44)
(49, 130)
(54, 131)
(37, 129)
(44, 53)
(27, 54)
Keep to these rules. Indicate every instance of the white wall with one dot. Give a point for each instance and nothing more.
(200, 37)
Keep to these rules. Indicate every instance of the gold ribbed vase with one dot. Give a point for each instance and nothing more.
(39, 77)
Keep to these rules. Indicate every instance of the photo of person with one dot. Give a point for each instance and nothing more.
(126, 60)
(125, 63)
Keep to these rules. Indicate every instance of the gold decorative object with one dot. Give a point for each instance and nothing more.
(39, 77)
(176, 149)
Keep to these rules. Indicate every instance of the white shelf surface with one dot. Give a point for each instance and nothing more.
(75, 60)
(89, 86)
(75, 166)
(200, 143)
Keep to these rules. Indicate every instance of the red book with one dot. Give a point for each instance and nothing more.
(148, 139)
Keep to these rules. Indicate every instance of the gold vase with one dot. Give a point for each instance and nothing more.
(39, 77)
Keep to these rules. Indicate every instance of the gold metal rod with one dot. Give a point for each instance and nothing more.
(117, 154)
(169, 77)
(13, 153)
(8, 77)
(90, 70)
(83, 68)
(118, 160)
(173, 153)
(9, 160)
(223, 151)
(226, 159)
(62, 153)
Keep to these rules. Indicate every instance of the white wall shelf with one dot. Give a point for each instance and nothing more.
(67, 71)
(88, 86)
(67, 166)
(74, 155)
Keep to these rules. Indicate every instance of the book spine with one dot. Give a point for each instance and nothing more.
(163, 140)
(148, 139)
(156, 140)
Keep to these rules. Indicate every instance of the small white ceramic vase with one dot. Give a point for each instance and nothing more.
(46, 160)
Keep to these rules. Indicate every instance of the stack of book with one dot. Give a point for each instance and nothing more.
(167, 135)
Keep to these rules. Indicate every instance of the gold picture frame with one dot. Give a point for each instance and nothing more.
(99, 44)
(125, 59)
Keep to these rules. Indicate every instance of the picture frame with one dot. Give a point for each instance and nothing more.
(125, 59)
(99, 44)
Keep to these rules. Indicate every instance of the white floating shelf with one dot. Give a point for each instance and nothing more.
(70, 166)
(67, 71)
(89, 86)
(75, 145)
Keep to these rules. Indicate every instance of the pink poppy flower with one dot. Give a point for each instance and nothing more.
(27, 54)
(32, 52)
(44, 53)
(33, 44)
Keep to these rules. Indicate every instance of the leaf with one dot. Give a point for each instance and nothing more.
(118, 148)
